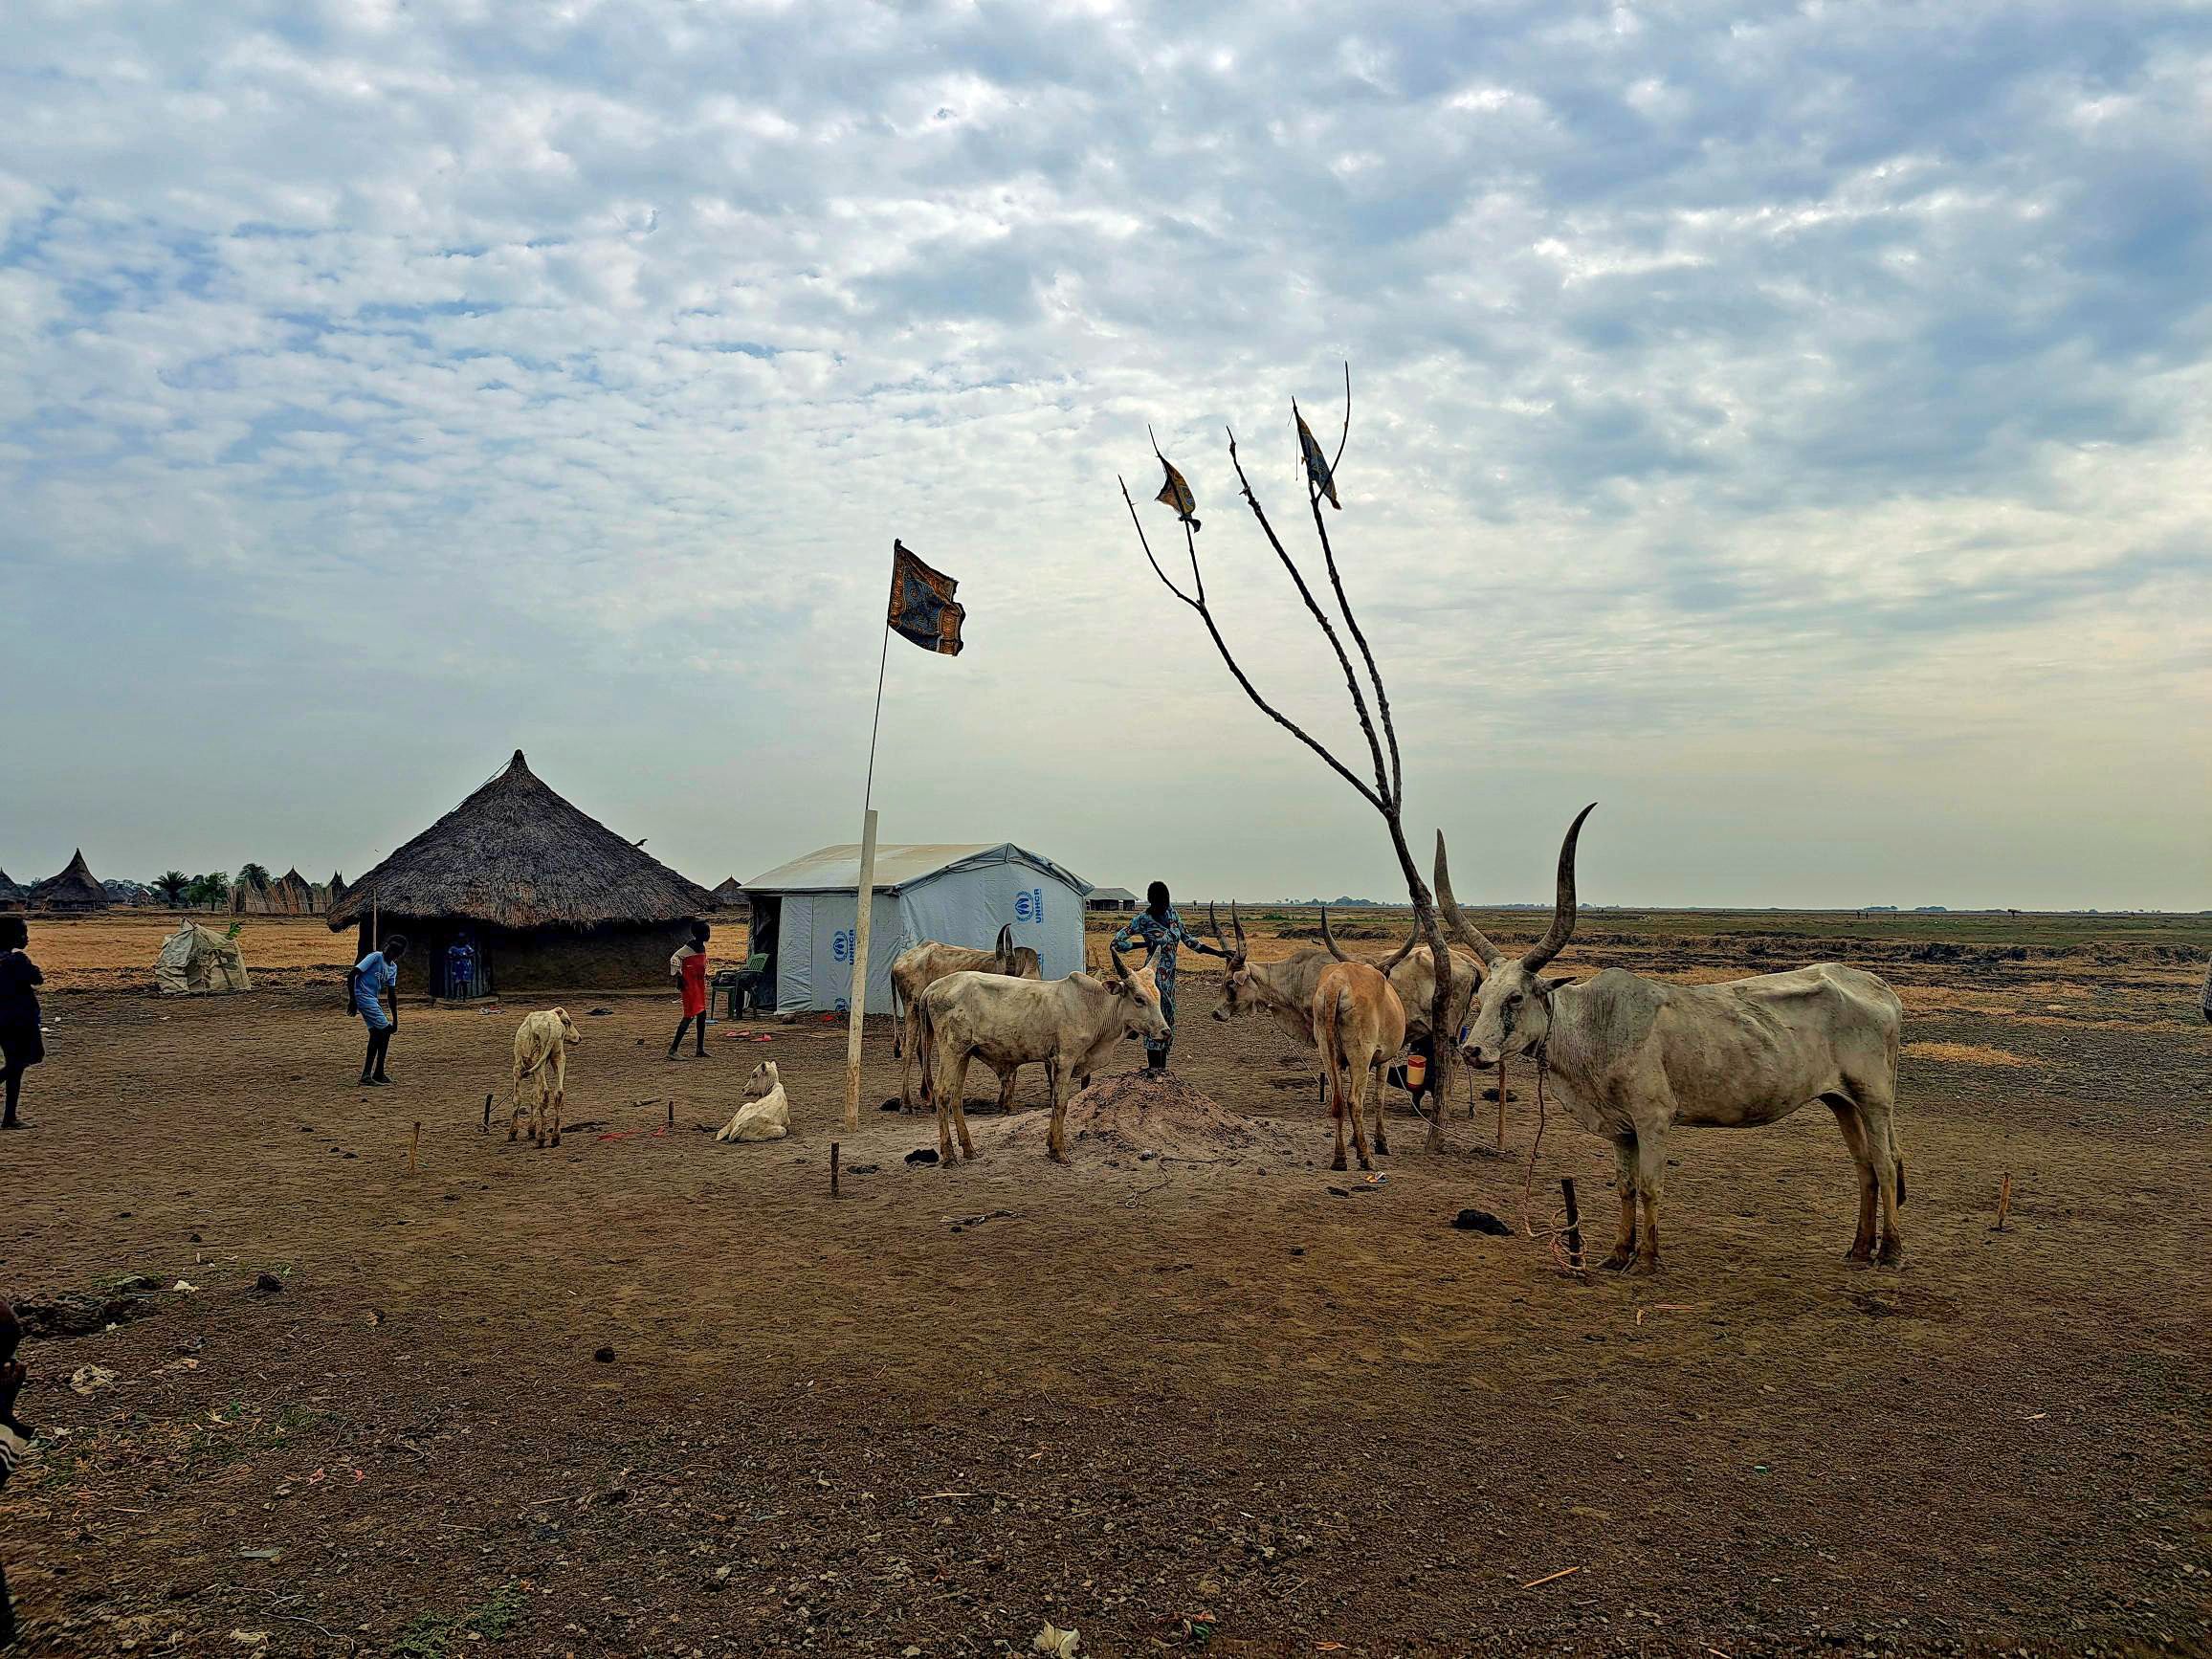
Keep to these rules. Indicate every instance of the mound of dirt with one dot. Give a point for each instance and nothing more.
(1135, 1116)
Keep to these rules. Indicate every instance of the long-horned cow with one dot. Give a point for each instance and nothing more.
(1632, 1057)
(1286, 988)
(1068, 1025)
(922, 965)
(1359, 1024)
(541, 1044)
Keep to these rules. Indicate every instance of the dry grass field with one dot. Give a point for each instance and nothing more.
(1243, 1406)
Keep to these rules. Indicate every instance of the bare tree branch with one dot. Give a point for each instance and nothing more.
(1382, 790)
(1387, 795)
(1244, 680)
(1395, 786)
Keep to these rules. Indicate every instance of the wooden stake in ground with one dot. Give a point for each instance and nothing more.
(672, 1111)
(1574, 1225)
(414, 1142)
(487, 1126)
(832, 1169)
(865, 899)
(2004, 1202)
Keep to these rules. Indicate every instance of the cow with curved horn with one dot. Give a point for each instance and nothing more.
(1067, 1024)
(1286, 988)
(922, 965)
(1632, 1057)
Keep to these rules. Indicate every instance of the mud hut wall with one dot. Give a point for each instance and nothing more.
(625, 957)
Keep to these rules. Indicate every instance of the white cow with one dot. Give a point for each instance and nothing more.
(767, 1118)
(541, 1044)
(1067, 1024)
(921, 966)
(1631, 1057)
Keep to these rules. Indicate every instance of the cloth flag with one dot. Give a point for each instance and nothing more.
(921, 603)
(1317, 464)
(1176, 494)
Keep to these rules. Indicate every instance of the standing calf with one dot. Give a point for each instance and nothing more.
(1632, 1057)
(541, 1044)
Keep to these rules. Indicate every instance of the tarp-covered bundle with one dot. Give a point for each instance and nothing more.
(195, 961)
(804, 914)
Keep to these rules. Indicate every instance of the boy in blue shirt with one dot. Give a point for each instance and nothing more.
(370, 980)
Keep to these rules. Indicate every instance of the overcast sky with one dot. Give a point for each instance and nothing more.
(1787, 429)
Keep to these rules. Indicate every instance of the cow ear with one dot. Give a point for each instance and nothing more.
(1557, 984)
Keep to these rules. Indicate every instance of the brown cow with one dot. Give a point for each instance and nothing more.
(1358, 1025)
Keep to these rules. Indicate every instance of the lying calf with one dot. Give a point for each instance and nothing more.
(767, 1119)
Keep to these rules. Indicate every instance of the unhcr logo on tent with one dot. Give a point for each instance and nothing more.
(842, 943)
(1029, 906)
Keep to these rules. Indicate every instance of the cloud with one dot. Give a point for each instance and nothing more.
(1829, 384)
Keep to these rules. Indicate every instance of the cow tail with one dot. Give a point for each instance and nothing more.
(898, 1021)
(1897, 1157)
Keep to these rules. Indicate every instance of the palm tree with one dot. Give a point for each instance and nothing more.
(252, 875)
(171, 884)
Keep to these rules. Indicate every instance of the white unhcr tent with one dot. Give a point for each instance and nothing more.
(804, 914)
(196, 961)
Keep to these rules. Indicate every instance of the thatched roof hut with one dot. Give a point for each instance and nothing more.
(549, 896)
(731, 894)
(10, 895)
(75, 889)
(293, 892)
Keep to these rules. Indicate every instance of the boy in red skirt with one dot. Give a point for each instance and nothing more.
(688, 968)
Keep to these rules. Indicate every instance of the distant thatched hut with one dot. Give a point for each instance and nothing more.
(10, 895)
(731, 894)
(551, 897)
(293, 894)
(75, 889)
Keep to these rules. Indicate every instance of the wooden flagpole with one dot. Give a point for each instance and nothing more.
(864, 898)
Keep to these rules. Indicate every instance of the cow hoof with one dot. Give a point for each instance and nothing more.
(1381, 1149)
(1648, 1267)
(1891, 1253)
(1617, 1262)
(556, 1141)
(1861, 1254)
(1338, 1164)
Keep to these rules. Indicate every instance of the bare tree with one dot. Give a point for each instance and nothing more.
(1387, 792)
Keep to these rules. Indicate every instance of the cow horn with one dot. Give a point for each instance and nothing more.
(1329, 938)
(1213, 924)
(1236, 922)
(1402, 951)
(1468, 935)
(1564, 905)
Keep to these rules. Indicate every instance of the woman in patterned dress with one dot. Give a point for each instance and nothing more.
(1160, 930)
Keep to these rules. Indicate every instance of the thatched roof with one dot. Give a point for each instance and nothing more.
(732, 891)
(516, 855)
(75, 889)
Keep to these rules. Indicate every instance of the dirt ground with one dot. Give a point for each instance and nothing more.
(1251, 1407)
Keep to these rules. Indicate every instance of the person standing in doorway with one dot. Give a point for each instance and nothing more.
(21, 1044)
(1160, 930)
(372, 981)
(688, 968)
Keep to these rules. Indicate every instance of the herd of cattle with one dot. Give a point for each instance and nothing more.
(1630, 1057)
